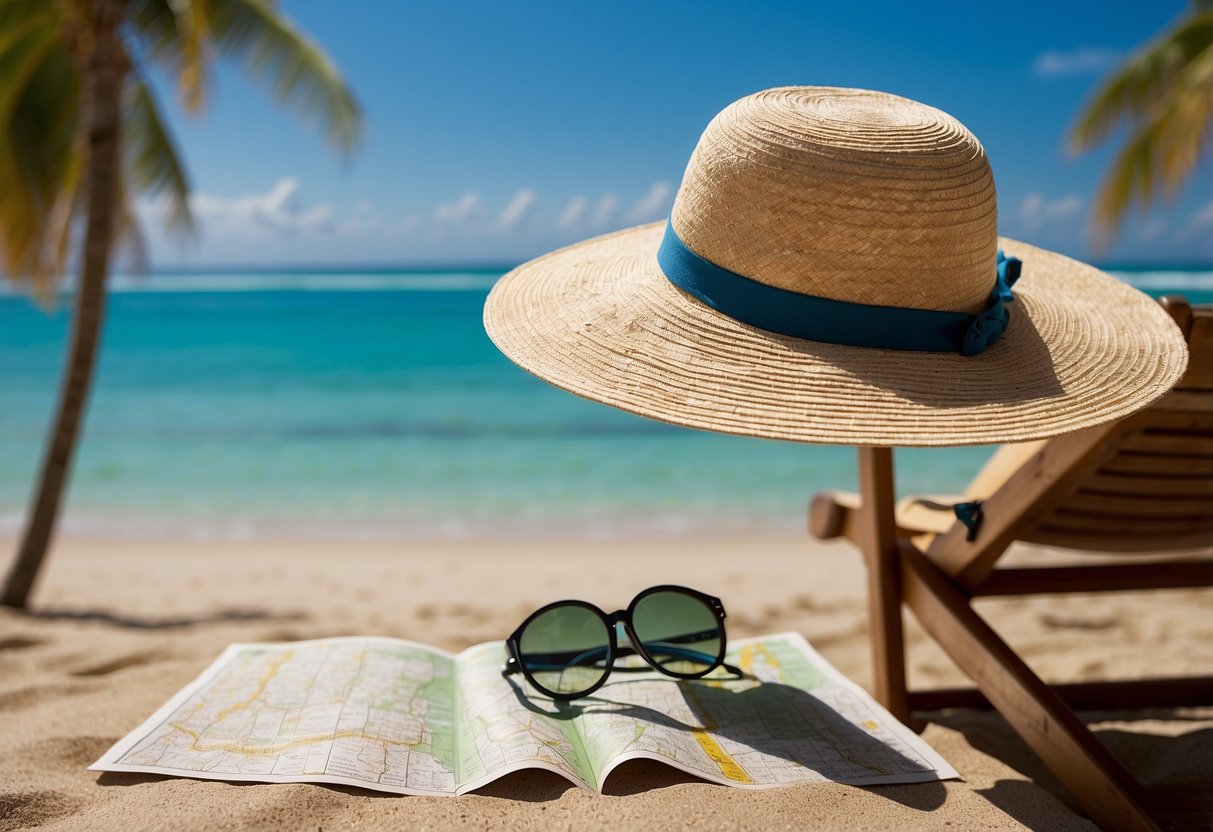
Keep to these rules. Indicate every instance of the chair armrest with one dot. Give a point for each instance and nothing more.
(832, 514)
(1004, 462)
(927, 514)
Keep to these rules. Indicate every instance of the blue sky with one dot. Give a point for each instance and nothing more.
(497, 131)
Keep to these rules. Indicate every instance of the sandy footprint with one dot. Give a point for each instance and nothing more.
(73, 751)
(23, 809)
(1078, 622)
(120, 663)
(27, 697)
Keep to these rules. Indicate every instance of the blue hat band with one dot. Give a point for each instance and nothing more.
(836, 321)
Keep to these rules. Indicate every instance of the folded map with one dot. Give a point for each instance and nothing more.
(402, 717)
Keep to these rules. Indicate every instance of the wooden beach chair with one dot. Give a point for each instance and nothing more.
(1142, 485)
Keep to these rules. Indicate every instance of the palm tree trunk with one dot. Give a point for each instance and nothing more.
(104, 66)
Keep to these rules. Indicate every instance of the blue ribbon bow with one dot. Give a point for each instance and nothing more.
(988, 327)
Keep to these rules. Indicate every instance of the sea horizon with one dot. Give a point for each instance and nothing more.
(369, 404)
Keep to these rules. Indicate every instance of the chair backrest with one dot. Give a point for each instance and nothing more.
(1153, 489)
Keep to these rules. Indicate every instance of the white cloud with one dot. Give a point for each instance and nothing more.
(518, 212)
(1199, 224)
(408, 225)
(572, 213)
(580, 213)
(1204, 217)
(1085, 60)
(465, 211)
(654, 205)
(361, 222)
(281, 212)
(278, 212)
(1038, 211)
(604, 212)
(1153, 229)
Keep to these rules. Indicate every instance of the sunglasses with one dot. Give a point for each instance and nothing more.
(567, 649)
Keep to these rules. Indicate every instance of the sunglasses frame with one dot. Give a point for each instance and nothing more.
(514, 663)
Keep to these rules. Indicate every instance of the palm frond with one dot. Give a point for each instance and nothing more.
(14, 13)
(1144, 78)
(1187, 123)
(39, 160)
(1130, 177)
(25, 41)
(194, 24)
(22, 21)
(60, 228)
(155, 25)
(300, 74)
(130, 246)
(1163, 150)
(153, 165)
(177, 35)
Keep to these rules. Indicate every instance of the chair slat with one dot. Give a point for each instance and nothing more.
(1118, 543)
(1127, 484)
(1200, 362)
(1158, 465)
(1154, 526)
(1113, 505)
(1159, 418)
(1187, 400)
(1163, 441)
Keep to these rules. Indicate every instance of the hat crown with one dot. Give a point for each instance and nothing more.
(846, 194)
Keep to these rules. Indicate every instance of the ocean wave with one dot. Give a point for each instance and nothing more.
(470, 281)
(575, 430)
(320, 282)
(1174, 280)
(1168, 280)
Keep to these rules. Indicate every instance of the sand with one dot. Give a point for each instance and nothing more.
(118, 627)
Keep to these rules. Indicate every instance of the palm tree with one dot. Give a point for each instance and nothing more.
(81, 135)
(1164, 93)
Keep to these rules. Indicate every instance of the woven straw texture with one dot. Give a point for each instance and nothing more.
(841, 193)
(868, 198)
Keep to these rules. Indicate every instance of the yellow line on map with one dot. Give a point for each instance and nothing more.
(728, 766)
(749, 653)
(270, 673)
(746, 659)
(237, 748)
(185, 730)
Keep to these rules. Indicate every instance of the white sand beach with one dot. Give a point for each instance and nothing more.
(118, 627)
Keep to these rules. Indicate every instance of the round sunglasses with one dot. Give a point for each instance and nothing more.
(568, 648)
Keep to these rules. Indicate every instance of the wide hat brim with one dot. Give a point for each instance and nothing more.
(600, 319)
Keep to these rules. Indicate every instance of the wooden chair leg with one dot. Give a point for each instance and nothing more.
(1108, 793)
(878, 533)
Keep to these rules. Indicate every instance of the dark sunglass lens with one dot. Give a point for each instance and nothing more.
(565, 649)
(680, 633)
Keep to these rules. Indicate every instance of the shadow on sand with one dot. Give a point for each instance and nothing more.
(776, 720)
(136, 622)
(1177, 767)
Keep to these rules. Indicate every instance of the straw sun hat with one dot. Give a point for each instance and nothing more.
(831, 272)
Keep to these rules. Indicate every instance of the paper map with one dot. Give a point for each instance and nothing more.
(402, 717)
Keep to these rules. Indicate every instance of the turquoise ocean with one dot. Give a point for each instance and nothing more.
(371, 405)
